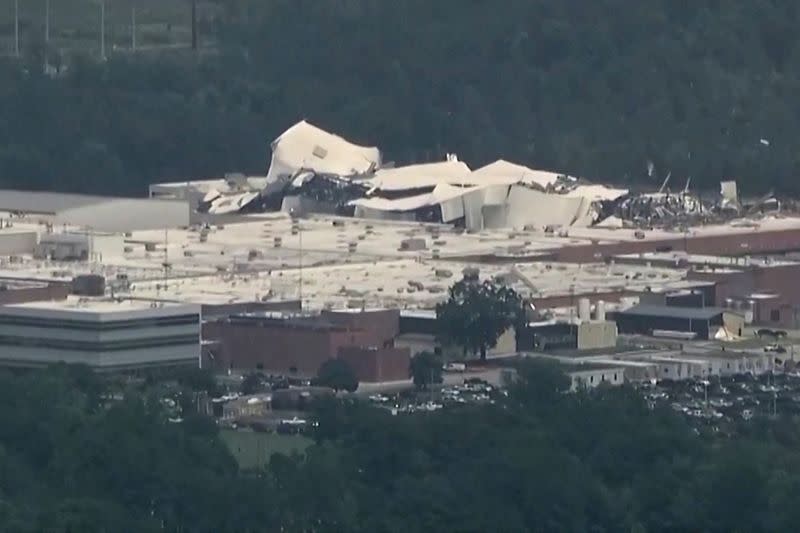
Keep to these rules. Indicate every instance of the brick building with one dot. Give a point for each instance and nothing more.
(375, 365)
(297, 345)
(734, 243)
(770, 292)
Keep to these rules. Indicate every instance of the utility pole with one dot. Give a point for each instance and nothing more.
(103, 30)
(133, 28)
(300, 233)
(194, 25)
(47, 21)
(166, 257)
(16, 28)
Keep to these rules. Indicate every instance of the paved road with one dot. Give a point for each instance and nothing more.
(491, 375)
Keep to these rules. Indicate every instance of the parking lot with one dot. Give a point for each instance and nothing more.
(720, 400)
(453, 393)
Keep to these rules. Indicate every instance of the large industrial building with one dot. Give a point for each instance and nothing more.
(288, 269)
(102, 333)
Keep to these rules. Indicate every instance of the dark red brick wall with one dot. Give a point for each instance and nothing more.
(733, 244)
(276, 348)
(377, 365)
(783, 280)
(380, 327)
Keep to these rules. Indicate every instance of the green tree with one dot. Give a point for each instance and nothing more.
(426, 369)
(338, 375)
(476, 314)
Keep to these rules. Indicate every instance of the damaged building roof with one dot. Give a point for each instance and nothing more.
(307, 147)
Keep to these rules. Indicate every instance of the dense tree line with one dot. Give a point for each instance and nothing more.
(72, 459)
(592, 87)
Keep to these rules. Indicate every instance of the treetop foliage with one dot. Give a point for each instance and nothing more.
(475, 314)
(537, 460)
(595, 88)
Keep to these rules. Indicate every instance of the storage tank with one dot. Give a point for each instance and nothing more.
(584, 309)
(600, 310)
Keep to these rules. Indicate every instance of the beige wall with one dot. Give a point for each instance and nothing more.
(422, 342)
(596, 377)
(733, 322)
(595, 334)
(17, 242)
(507, 343)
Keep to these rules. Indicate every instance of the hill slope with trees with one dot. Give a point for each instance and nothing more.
(592, 87)
(73, 460)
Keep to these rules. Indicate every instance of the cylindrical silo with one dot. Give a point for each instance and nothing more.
(600, 310)
(584, 309)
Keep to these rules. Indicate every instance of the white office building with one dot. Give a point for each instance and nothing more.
(103, 333)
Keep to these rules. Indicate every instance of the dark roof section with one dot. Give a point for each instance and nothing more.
(688, 313)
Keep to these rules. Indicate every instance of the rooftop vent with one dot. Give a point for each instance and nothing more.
(89, 285)
(410, 245)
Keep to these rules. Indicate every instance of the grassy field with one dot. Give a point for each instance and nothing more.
(253, 449)
(75, 24)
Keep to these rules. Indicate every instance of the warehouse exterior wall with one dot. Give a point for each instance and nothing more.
(590, 379)
(597, 334)
(381, 326)
(276, 348)
(780, 280)
(757, 242)
(375, 365)
(17, 242)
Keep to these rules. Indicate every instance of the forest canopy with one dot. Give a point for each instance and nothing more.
(596, 88)
(76, 457)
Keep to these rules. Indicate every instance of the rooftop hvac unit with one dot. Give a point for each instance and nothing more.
(410, 245)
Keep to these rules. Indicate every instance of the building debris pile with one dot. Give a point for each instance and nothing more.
(312, 170)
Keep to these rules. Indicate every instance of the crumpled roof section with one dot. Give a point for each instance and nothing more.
(421, 176)
(307, 147)
(504, 172)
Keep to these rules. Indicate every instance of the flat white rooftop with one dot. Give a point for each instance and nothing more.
(348, 262)
(106, 306)
(401, 283)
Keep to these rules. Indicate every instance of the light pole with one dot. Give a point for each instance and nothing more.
(294, 215)
(300, 234)
(103, 30)
(47, 21)
(194, 25)
(133, 28)
(16, 28)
